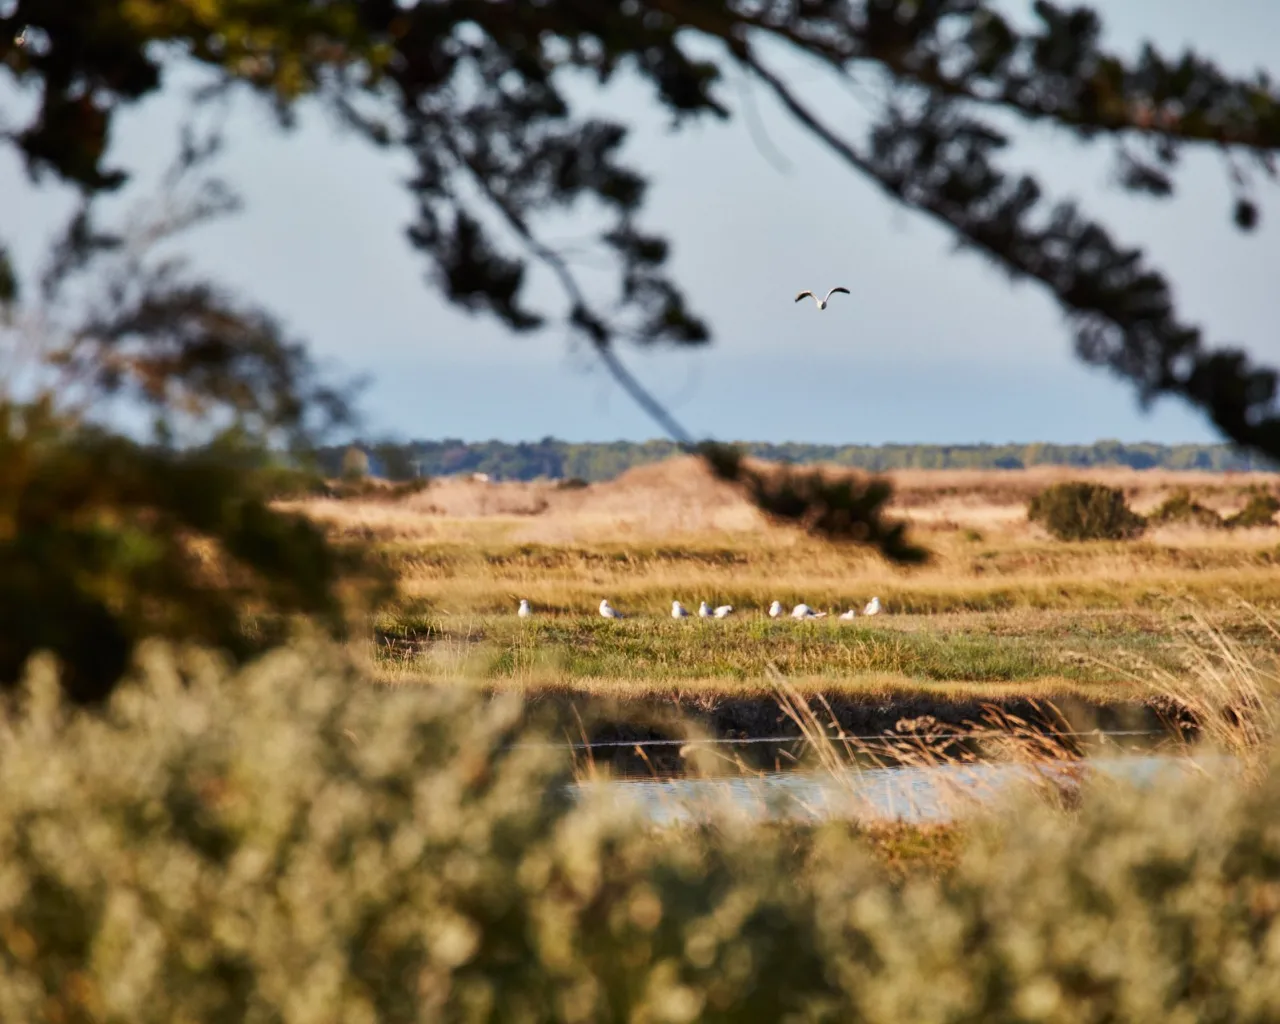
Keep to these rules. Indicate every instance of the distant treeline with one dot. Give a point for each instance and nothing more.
(594, 461)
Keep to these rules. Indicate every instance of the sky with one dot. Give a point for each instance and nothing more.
(933, 346)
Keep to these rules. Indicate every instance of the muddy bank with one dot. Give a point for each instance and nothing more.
(756, 730)
(880, 725)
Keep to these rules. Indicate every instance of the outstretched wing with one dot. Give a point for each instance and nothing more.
(838, 288)
(803, 294)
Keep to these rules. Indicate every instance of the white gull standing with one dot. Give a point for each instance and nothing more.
(608, 611)
(775, 609)
(679, 611)
(704, 610)
(873, 607)
(524, 610)
(803, 611)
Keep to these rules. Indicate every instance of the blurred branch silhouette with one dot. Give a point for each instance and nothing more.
(120, 318)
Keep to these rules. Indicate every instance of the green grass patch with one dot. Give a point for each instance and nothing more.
(504, 647)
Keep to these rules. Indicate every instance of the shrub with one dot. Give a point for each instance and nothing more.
(1260, 510)
(1181, 508)
(355, 464)
(1077, 510)
(284, 483)
(284, 845)
(374, 489)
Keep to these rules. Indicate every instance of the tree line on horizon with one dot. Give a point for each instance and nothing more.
(603, 460)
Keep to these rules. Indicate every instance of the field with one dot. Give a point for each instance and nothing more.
(1001, 613)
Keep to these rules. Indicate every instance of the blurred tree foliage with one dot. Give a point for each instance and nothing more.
(396, 462)
(106, 539)
(474, 91)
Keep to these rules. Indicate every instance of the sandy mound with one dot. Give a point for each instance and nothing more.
(464, 498)
(674, 495)
(683, 480)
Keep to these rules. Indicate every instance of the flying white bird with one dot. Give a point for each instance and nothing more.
(525, 611)
(704, 610)
(608, 611)
(873, 607)
(679, 611)
(723, 611)
(849, 614)
(775, 609)
(822, 303)
(803, 611)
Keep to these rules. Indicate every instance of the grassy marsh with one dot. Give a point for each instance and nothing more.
(479, 575)
(1000, 613)
(734, 655)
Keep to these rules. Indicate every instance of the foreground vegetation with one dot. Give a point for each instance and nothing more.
(284, 844)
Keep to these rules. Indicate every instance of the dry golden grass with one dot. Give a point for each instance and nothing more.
(673, 497)
(671, 531)
(463, 668)
(680, 497)
(1000, 607)
(475, 566)
(1048, 748)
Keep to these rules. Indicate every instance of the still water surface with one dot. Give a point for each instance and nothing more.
(918, 794)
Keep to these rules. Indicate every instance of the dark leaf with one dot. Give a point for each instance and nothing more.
(8, 278)
(1245, 214)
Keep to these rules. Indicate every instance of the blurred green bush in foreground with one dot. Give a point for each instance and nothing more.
(283, 844)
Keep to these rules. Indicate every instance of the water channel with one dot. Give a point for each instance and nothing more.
(913, 793)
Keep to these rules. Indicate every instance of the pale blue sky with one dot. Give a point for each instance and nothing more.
(931, 347)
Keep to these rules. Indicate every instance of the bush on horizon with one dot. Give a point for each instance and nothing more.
(1078, 510)
(1259, 510)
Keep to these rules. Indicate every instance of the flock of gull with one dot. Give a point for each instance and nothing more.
(705, 611)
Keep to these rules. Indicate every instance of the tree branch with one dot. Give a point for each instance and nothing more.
(936, 163)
